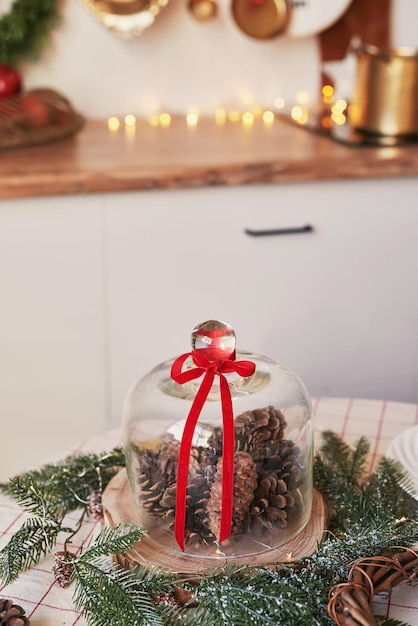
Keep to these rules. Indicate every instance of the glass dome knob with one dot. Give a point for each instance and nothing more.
(214, 339)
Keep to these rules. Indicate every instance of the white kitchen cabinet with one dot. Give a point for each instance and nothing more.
(338, 305)
(53, 378)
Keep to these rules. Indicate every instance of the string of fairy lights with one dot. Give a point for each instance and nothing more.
(334, 111)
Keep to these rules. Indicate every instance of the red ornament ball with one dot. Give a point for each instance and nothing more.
(10, 81)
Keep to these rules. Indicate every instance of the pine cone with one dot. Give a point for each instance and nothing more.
(157, 471)
(197, 495)
(245, 483)
(215, 444)
(95, 505)
(12, 614)
(268, 508)
(166, 598)
(262, 454)
(200, 458)
(197, 519)
(63, 568)
(283, 460)
(277, 499)
(259, 430)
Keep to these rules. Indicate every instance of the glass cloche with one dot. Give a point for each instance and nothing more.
(218, 450)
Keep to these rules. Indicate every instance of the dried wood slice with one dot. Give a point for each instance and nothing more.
(117, 509)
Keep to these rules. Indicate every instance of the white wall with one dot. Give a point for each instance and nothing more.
(404, 30)
(177, 63)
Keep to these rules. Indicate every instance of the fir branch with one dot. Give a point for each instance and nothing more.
(355, 504)
(48, 494)
(259, 597)
(69, 482)
(108, 594)
(336, 453)
(34, 540)
(113, 540)
(392, 488)
(338, 493)
(154, 580)
(348, 462)
(334, 557)
(24, 29)
(359, 460)
(36, 499)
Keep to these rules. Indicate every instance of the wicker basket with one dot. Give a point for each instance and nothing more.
(36, 117)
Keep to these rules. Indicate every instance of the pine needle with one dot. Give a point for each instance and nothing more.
(154, 580)
(347, 461)
(66, 485)
(108, 595)
(355, 504)
(393, 487)
(35, 539)
(358, 460)
(254, 598)
(113, 540)
(34, 498)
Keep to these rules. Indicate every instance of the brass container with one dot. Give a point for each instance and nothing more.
(385, 99)
(261, 19)
(127, 18)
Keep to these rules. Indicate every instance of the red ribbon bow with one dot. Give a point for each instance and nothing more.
(209, 369)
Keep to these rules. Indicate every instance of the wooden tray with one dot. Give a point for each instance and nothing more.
(118, 509)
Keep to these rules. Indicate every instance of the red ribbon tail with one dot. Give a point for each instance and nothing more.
(228, 452)
(204, 365)
(184, 457)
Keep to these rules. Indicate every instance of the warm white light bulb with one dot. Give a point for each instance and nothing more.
(247, 118)
(302, 97)
(165, 119)
(279, 103)
(192, 119)
(268, 118)
(130, 120)
(234, 116)
(113, 123)
(220, 116)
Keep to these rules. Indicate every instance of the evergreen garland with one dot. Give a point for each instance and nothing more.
(24, 29)
(48, 495)
(368, 514)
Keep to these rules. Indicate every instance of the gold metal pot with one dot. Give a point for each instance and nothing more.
(385, 99)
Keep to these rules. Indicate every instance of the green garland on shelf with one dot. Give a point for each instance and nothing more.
(368, 515)
(24, 29)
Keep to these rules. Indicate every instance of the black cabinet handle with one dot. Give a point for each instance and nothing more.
(279, 231)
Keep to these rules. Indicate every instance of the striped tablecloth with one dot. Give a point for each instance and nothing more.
(47, 604)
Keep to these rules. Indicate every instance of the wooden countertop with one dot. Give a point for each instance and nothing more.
(98, 160)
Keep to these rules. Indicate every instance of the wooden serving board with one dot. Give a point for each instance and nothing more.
(118, 509)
